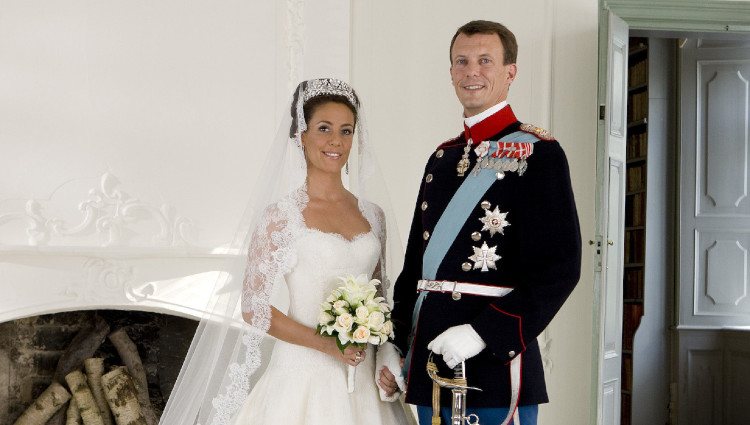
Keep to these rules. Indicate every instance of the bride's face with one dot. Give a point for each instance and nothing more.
(328, 139)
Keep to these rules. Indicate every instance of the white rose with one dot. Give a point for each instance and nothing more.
(362, 313)
(375, 339)
(324, 318)
(361, 335)
(372, 306)
(387, 329)
(344, 323)
(340, 307)
(376, 320)
(325, 306)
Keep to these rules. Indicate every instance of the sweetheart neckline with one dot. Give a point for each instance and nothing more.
(336, 235)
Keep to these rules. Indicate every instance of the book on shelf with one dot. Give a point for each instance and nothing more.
(636, 145)
(638, 74)
(636, 178)
(633, 284)
(638, 106)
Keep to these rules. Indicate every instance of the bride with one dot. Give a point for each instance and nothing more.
(331, 233)
(315, 223)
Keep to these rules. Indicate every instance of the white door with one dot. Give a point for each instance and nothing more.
(714, 232)
(611, 217)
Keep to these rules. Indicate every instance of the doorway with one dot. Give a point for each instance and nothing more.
(664, 358)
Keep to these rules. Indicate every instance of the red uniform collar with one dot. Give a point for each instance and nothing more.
(490, 126)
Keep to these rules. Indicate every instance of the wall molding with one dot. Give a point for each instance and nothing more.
(294, 28)
(106, 211)
(727, 16)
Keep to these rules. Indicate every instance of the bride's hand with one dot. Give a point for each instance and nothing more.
(352, 356)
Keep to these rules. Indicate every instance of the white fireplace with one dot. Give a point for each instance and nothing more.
(119, 253)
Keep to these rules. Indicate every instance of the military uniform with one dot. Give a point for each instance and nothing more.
(522, 233)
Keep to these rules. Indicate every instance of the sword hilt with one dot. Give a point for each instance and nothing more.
(459, 382)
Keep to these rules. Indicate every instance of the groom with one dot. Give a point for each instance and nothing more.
(494, 248)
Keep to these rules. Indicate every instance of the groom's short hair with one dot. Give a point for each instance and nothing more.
(507, 38)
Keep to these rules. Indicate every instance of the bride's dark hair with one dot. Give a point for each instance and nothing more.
(314, 102)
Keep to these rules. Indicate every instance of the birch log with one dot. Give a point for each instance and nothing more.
(94, 371)
(84, 398)
(128, 352)
(45, 406)
(122, 398)
(73, 414)
(83, 346)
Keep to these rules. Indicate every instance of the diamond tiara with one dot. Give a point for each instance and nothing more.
(328, 86)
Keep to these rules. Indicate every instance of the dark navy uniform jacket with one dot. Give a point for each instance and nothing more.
(540, 254)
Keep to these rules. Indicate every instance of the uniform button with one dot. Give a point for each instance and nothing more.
(486, 205)
(440, 153)
(456, 296)
(476, 236)
(466, 267)
(424, 205)
(511, 353)
(500, 175)
(428, 178)
(426, 235)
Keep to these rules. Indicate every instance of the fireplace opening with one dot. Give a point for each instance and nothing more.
(35, 352)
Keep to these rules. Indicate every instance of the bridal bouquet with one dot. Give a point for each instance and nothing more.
(354, 315)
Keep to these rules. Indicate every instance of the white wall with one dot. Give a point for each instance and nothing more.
(400, 66)
(130, 134)
(175, 99)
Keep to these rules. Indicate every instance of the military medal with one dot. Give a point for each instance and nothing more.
(484, 257)
(463, 164)
(494, 221)
(482, 149)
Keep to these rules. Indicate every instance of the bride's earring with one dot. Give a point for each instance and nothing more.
(346, 167)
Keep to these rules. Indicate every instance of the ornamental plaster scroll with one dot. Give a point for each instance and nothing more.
(294, 29)
(110, 213)
(106, 280)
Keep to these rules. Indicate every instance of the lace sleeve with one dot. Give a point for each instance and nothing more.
(269, 257)
(375, 216)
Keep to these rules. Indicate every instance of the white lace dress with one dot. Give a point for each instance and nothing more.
(305, 386)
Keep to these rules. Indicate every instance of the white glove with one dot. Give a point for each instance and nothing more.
(388, 356)
(457, 344)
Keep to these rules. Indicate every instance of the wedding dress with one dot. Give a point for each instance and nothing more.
(301, 385)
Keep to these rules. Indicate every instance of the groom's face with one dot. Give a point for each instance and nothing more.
(478, 72)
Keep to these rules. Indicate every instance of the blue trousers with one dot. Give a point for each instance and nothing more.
(487, 415)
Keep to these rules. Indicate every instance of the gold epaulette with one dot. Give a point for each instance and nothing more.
(537, 131)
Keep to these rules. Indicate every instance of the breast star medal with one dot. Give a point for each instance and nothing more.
(494, 221)
(484, 257)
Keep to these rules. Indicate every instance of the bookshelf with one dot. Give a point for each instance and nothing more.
(635, 212)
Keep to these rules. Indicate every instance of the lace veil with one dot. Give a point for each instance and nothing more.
(227, 354)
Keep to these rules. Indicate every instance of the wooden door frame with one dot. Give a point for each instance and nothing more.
(729, 17)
